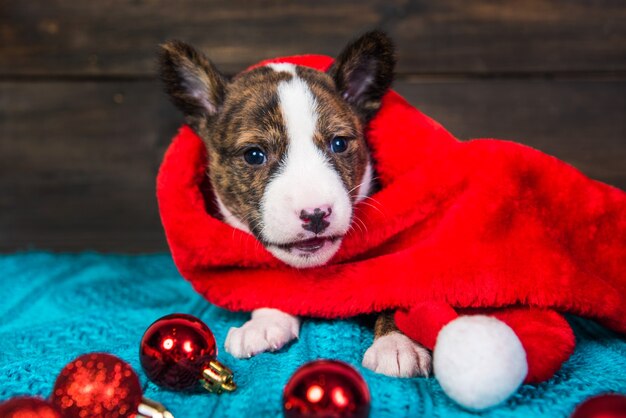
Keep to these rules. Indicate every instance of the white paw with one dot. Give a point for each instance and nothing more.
(397, 355)
(268, 330)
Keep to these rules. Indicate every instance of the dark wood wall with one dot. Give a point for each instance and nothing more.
(83, 122)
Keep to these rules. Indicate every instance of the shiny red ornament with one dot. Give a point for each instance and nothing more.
(603, 406)
(28, 407)
(326, 388)
(178, 352)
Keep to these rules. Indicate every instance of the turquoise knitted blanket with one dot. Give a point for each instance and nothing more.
(56, 307)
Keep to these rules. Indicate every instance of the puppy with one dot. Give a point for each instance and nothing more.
(288, 160)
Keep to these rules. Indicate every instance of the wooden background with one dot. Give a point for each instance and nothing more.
(83, 122)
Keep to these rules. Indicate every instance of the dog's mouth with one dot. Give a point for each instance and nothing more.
(311, 245)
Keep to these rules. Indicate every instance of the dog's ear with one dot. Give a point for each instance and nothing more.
(363, 72)
(193, 83)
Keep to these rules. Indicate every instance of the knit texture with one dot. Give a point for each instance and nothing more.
(56, 307)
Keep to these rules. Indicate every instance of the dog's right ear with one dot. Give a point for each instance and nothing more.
(363, 72)
(193, 83)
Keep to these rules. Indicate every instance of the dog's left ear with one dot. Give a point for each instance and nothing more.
(363, 72)
(193, 83)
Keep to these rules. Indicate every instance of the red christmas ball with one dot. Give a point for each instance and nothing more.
(97, 385)
(28, 407)
(175, 350)
(326, 388)
(603, 406)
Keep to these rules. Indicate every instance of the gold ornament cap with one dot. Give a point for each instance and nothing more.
(217, 378)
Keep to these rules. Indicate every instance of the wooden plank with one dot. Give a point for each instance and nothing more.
(119, 37)
(78, 160)
(78, 164)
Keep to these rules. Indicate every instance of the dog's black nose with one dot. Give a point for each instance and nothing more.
(315, 220)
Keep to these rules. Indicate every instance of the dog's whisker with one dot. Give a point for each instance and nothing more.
(374, 203)
(355, 222)
(356, 218)
(367, 197)
(356, 187)
(373, 200)
(373, 207)
(372, 180)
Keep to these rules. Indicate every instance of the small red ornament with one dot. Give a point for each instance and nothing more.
(603, 406)
(326, 388)
(178, 351)
(100, 385)
(28, 407)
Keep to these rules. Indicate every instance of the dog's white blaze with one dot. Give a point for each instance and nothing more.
(306, 180)
(283, 67)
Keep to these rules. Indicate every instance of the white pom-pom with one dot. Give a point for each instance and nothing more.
(479, 361)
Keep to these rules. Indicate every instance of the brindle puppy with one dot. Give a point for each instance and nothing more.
(288, 160)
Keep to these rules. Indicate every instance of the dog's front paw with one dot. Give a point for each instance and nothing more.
(397, 355)
(268, 330)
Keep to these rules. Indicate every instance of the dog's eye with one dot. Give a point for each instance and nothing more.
(338, 144)
(254, 156)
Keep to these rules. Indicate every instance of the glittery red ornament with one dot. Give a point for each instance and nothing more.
(178, 351)
(97, 385)
(603, 406)
(28, 407)
(326, 388)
